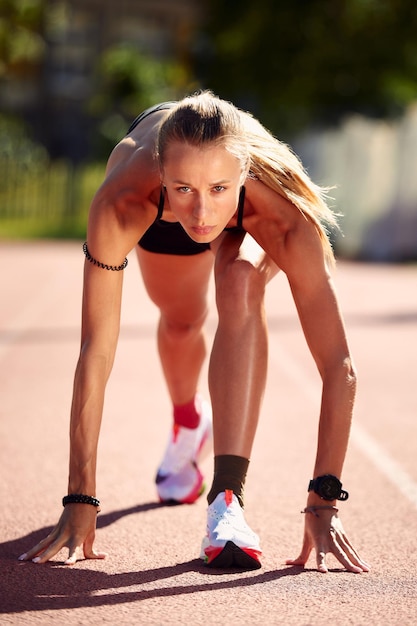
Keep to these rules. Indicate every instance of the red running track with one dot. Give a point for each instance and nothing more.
(152, 574)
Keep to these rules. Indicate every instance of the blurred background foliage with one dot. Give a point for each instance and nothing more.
(127, 82)
(312, 61)
(22, 45)
(74, 73)
(308, 62)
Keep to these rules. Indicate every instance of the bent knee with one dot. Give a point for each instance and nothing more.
(177, 328)
(240, 288)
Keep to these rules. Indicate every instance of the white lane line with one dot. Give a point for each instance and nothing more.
(369, 447)
(392, 470)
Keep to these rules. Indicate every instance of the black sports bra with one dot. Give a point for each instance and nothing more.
(239, 226)
(164, 106)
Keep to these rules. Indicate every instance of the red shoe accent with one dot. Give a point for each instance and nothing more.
(175, 431)
(211, 553)
(228, 496)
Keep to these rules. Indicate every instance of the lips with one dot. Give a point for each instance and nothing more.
(202, 231)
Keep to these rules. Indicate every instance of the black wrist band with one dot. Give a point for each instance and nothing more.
(80, 498)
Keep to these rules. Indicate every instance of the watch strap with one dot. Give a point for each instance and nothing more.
(315, 482)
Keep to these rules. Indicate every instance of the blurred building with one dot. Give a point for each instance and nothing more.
(52, 96)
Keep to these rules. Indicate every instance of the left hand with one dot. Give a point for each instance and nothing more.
(324, 532)
(75, 530)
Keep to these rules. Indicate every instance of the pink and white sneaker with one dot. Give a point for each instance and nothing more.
(229, 541)
(179, 478)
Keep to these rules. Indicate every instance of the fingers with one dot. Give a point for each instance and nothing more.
(27, 556)
(74, 531)
(340, 556)
(327, 536)
(89, 552)
(44, 551)
(351, 554)
(342, 549)
(85, 550)
(321, 562)
(47, 548)
(76, 552)
(359, 561)
(51, 551)
(72, 558)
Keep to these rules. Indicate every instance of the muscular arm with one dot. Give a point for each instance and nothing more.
(294, 244)
(318, 309)
(100, 328)
(320, 317)
(121, 211)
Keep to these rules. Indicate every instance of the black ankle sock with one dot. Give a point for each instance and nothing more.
(229, 473)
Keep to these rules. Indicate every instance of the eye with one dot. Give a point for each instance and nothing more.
(184, 189)
(219, 188)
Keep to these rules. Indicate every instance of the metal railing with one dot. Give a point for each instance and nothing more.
(48, 197)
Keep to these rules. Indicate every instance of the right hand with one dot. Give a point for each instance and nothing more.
(323, 531)
(75, 530)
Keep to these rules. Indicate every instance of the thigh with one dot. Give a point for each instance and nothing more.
(177, 284)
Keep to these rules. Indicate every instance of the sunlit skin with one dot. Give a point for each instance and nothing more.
(203, 187)
(202, 193)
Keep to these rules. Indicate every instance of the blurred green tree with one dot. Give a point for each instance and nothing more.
(310, 61)
(22, 46)
(22, 50)
(127, 82)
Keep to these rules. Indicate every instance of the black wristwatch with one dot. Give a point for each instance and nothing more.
(328, 487)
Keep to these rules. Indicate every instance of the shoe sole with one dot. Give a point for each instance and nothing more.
(234, 557)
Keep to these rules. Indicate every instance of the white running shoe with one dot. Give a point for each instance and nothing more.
(181, 488)
(229, 541)
(178, 478)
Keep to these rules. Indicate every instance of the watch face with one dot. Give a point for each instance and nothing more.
(329, 488)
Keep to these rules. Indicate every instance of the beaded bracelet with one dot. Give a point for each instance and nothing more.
(113, 268)
(80, 498)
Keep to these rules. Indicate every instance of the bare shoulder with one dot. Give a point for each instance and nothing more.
(131, 171)
(126, 203)
(268, 216)
(132, 179)
(286, 234)
(134, 166)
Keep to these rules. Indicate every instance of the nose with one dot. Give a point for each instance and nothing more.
(201, 207)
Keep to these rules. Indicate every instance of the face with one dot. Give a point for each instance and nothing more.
(203, 187)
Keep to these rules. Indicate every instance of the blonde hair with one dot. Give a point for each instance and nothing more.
(201, 119)
(204, 118)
